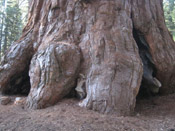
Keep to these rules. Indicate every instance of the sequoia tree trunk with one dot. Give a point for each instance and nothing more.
(113, 46)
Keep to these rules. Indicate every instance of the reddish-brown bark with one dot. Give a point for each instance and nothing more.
(103, 30)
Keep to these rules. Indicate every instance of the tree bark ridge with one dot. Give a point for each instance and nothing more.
(103, 30)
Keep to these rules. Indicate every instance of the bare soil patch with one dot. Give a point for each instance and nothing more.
(153, 114)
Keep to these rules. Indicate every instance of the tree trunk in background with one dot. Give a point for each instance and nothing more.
(5, 40)
(1, 30)
(100, 40)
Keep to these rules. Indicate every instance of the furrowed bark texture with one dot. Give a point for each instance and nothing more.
(148, 19)
(101, 33)
(53, 72)
(15, 66)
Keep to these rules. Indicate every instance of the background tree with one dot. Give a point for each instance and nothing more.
(2, 21)
(12, 21)
(169, 10)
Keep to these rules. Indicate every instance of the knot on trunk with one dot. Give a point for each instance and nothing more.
(53, 73)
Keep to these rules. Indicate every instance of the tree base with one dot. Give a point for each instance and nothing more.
(102, 35)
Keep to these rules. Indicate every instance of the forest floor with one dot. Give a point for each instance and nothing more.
(153, 114)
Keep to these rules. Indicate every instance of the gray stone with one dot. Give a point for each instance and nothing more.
(4, 100)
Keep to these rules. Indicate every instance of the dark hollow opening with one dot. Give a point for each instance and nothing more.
(149, 85)
(19, 84)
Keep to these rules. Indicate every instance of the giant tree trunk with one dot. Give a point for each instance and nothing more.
(113, 44)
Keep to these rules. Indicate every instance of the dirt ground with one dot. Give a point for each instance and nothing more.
(155, 114)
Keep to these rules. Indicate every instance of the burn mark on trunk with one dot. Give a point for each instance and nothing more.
(150, 84)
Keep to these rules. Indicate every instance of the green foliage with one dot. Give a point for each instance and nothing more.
(169, 11)
(11, 22)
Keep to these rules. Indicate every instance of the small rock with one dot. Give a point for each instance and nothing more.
(137, 114)
(19, 101)
(4, 100)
